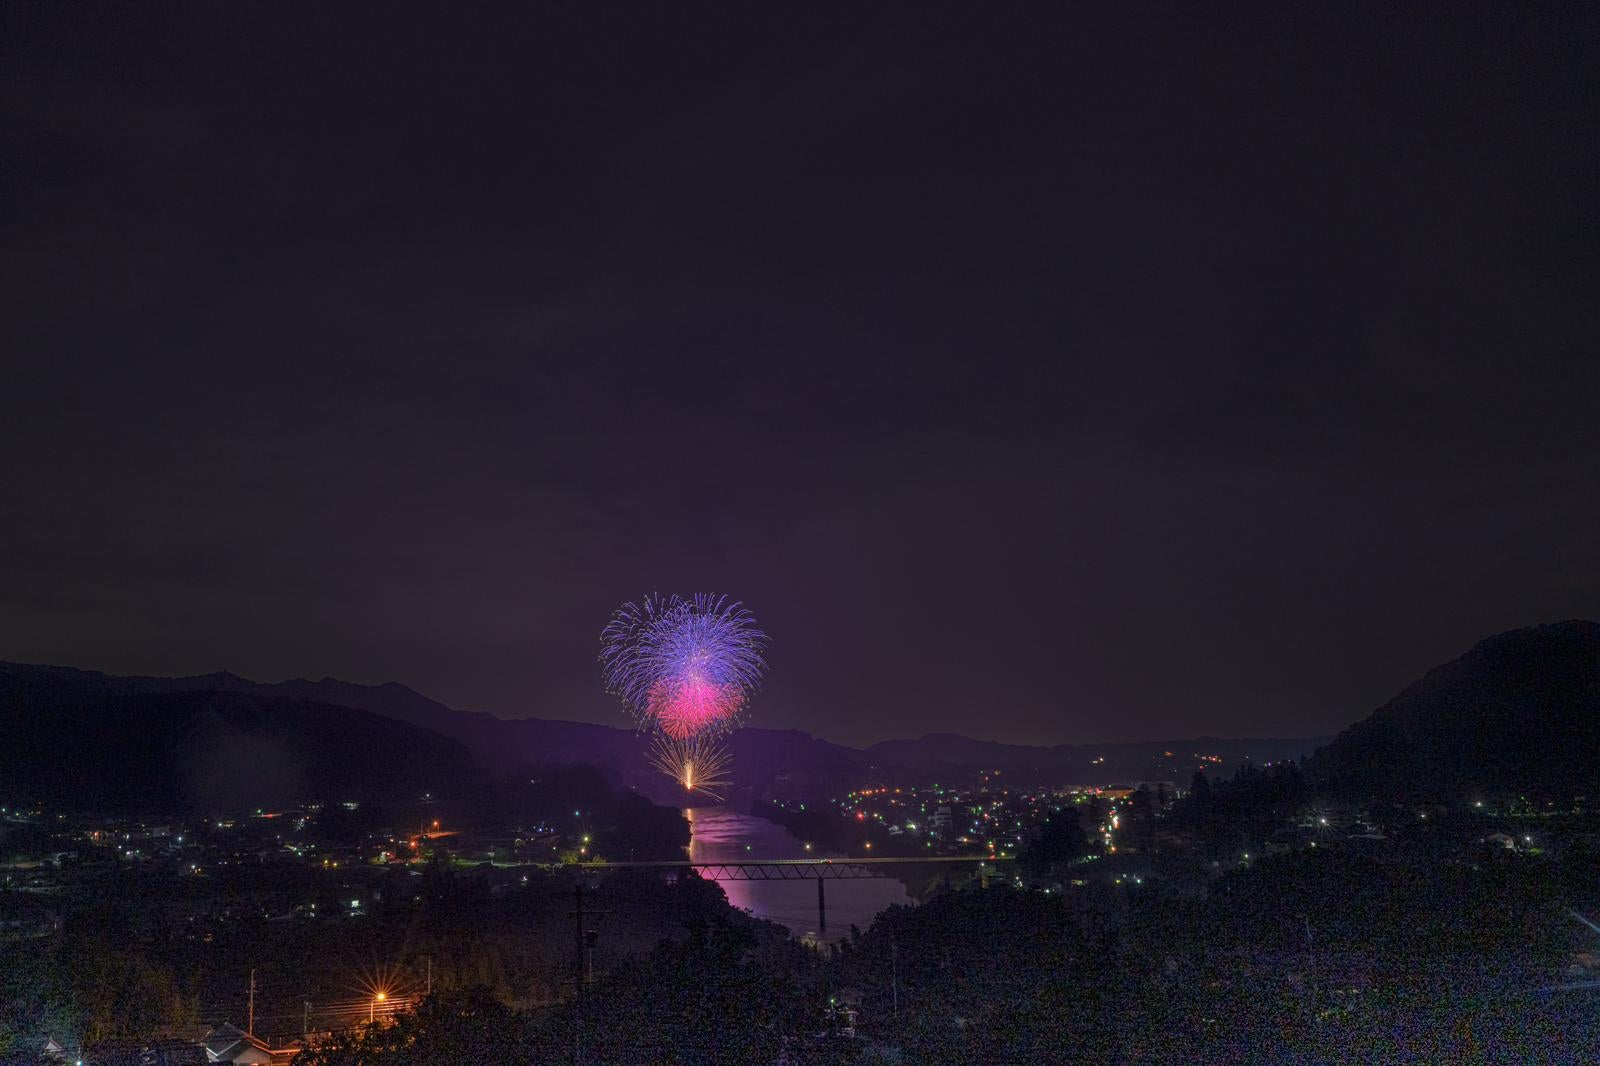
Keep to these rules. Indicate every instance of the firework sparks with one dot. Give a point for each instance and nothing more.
(699, 764)
(684, 666)
(683, 709)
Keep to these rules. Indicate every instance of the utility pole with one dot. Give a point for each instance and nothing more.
(577, 913)
(583, 967)
(894, 974)
(577, 976)
(1311, 959)
(250, 1024)
(305, 1026)
(430, 975)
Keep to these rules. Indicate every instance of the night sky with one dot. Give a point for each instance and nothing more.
(1031, 372)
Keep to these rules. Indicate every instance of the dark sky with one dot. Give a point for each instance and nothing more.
(1031, 372)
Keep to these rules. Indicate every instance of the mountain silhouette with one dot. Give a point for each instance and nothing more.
(90, 740)
(766, 763)
(1519, 714)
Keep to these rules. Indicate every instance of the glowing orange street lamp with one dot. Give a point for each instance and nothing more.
(372, 1011)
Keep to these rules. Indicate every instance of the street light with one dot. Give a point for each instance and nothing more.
(372, 1010)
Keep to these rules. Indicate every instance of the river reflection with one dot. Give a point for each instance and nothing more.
(722, 835)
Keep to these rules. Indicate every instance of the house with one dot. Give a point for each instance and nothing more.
(229, 1043)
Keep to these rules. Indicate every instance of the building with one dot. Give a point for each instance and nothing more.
(229, 1043)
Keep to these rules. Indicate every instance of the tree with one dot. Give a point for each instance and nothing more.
(1141, 820)
(723, 995)
(1056, 844)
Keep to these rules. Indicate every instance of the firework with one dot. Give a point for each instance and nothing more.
(698, 763)
(686, 709)
(622, 650)
(683, 666)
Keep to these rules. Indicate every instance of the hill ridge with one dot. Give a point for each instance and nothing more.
(1517, 712)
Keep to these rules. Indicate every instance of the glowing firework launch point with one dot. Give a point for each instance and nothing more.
(685, 669)
(699, 764)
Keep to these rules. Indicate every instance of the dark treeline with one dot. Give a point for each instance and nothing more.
(1394, 968)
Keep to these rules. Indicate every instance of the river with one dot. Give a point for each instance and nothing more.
(723, 835)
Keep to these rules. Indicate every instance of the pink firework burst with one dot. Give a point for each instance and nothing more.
(693, 706)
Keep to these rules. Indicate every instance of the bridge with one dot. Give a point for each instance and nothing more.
(820, 870)
(783, 869)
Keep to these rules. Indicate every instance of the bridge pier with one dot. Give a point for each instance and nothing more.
(822, 906)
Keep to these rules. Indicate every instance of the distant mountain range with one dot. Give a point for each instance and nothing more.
(1521, 710)
(303, 735)
(1518, 714)
(90, 740)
